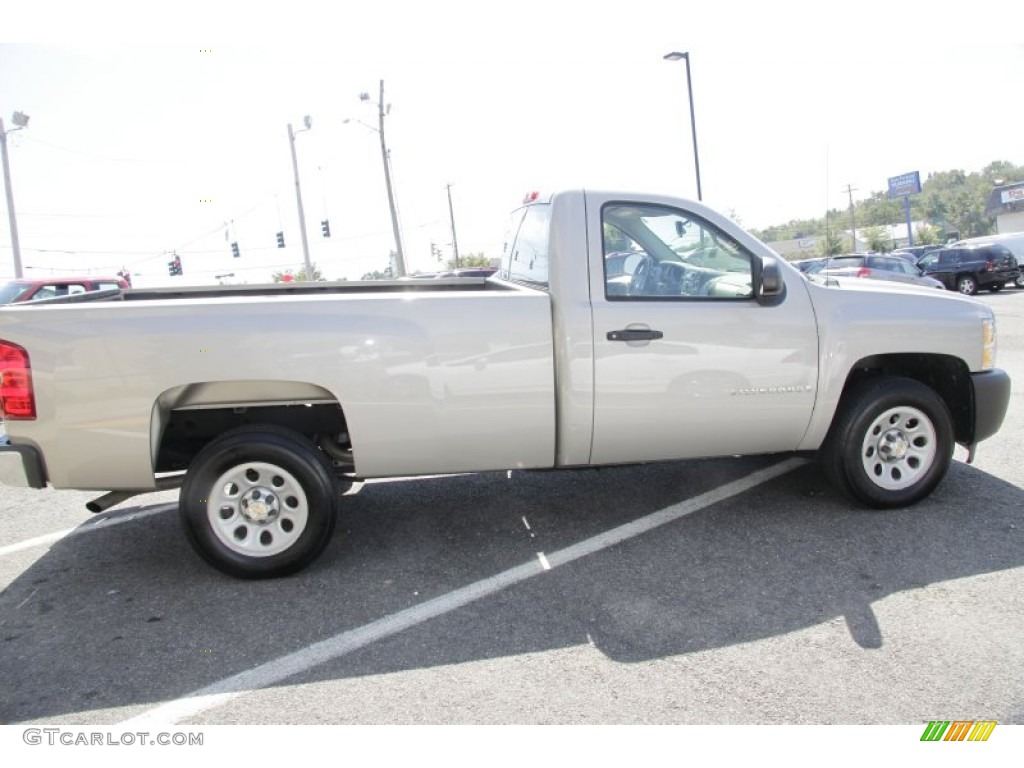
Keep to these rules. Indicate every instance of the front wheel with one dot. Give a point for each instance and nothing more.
(890, 444)
(259, 502)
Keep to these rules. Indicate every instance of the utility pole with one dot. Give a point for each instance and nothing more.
(853, 223)
(399, 252)
(298, 196)
(451, 214)
(20, 121)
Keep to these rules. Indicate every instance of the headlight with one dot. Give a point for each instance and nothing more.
(988, 351)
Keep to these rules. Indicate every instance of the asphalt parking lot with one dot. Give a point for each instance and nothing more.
(729, 591)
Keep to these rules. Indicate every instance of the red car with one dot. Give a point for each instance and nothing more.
(29, 289)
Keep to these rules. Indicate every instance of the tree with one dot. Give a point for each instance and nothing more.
(877, 239)
(469, 260)
(288, 276)
(878, 210)
(831, 243)
(926, 235)
(951, 200)
(377, 275)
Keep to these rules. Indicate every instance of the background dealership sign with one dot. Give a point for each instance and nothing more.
(905, 185)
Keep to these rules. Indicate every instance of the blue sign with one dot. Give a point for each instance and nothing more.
(905, 184)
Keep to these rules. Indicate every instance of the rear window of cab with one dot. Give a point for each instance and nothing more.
(524, 257)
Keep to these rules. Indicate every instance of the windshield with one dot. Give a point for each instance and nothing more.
(11, 291)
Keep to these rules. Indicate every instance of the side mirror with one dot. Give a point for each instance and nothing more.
(769, 285)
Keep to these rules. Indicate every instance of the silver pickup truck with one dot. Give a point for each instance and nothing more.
(621, 328)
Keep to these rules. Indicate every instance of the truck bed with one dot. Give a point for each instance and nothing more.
(423, 376)
(280, 289)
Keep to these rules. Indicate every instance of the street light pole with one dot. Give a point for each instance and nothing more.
(20, 121)
(298, 197)
(676, 56)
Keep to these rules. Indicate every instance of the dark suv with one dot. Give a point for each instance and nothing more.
(966, 269)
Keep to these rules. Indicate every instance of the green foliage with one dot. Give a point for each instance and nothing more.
(878, 210)
(926, 235)
(794, 230)
(288, 276)
(377, 275)
(877, 239)
(469, 260)
(950, 200)
(831, 243)
(614, 240)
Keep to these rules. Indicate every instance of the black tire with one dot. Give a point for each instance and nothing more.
(259, 502)
(890, 444)
(967, 285)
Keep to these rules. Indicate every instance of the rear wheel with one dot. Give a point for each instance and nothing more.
(259, 502)
(890, 444)
(967, 285)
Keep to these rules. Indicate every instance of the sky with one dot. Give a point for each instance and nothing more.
(159, 133)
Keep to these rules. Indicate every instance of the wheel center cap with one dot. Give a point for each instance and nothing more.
(259, 505)
(893, 445)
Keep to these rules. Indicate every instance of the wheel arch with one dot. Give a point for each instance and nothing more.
(187, 417)
(948, 376)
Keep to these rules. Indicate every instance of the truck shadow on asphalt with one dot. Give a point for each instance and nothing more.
(129, 616)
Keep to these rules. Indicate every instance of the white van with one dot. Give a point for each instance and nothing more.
(1012, 240)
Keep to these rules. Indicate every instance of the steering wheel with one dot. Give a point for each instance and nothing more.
(641, 276)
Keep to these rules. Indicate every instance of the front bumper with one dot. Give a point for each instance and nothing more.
(991, 401)
(21, 466)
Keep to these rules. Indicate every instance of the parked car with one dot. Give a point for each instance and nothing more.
(29, 289)
(1012, 240)
(810, 266)
(969, 268)
(915, 252)
(878, 267)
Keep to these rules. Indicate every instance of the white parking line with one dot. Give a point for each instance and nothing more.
(296, 663)
(92, 525)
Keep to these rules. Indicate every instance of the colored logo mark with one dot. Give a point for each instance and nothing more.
(958, 730)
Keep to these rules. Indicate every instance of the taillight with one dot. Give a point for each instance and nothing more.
(17, 400)
(863, 272)
(990, 265)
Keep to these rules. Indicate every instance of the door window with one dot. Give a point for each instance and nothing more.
(657, 252)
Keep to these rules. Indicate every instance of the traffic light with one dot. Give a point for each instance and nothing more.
(325, 227)
(174, 266)
(234, 250)
(170, 269)
(280, 240)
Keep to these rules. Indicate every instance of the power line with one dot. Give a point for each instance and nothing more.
(99, 157)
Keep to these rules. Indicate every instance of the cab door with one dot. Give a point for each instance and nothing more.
(686, 362)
